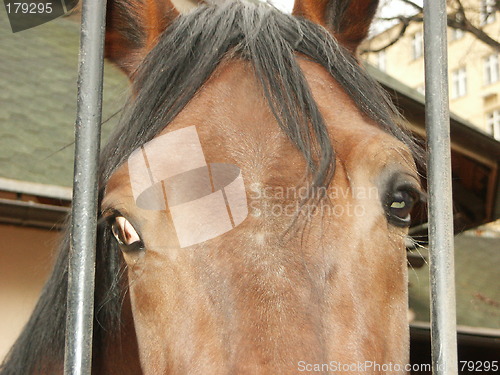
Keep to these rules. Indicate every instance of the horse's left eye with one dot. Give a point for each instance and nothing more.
(126, 235)
(399, 206)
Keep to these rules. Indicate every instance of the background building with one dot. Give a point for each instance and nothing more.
(474, 77)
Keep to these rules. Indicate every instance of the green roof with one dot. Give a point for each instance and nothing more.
(477, 265)
(38, 74)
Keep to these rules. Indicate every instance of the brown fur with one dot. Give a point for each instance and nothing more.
(257, 300)
(133, 29)
(348, 20)
(249, 301)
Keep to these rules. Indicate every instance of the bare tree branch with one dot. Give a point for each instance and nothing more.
(457, 19)
(416, 6)
(463, 23)
(467, 26)
(404, 25)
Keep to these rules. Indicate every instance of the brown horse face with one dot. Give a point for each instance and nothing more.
(231, 270)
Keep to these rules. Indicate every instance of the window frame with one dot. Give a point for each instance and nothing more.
(417, 45)
(487, 13)
(457, 34)
(459, 83)
(382, 61)
(493, 123)
(491, 69)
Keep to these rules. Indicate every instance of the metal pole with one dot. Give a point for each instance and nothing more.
(442, 268)
(80, 313)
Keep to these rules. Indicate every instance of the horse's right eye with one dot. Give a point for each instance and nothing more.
(125, 234)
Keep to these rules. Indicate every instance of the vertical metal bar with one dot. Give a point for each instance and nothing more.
(79, 322)
(442, 268)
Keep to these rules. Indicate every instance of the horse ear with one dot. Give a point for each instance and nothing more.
(348, 20)
(133, 28)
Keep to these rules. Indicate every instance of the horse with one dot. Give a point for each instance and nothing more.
(254, 200)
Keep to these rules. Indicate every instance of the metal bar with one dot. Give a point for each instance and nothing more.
(79, 322)
(442, 268)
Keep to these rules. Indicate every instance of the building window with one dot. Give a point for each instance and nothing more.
(491, 69)
(417, 45)
(457, 34)
(459, 83)
(382, 61)
(488, 11)
(493, 123)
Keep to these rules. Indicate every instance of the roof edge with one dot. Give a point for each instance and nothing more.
(33, 188)
(396, 85)
(459, 127)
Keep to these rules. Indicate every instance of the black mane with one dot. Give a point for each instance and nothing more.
(186, 55)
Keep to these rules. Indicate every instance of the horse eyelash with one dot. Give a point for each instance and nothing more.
(107, 215)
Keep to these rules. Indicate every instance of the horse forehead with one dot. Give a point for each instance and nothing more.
(234, 121)
(347, 125)
(235, 125)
